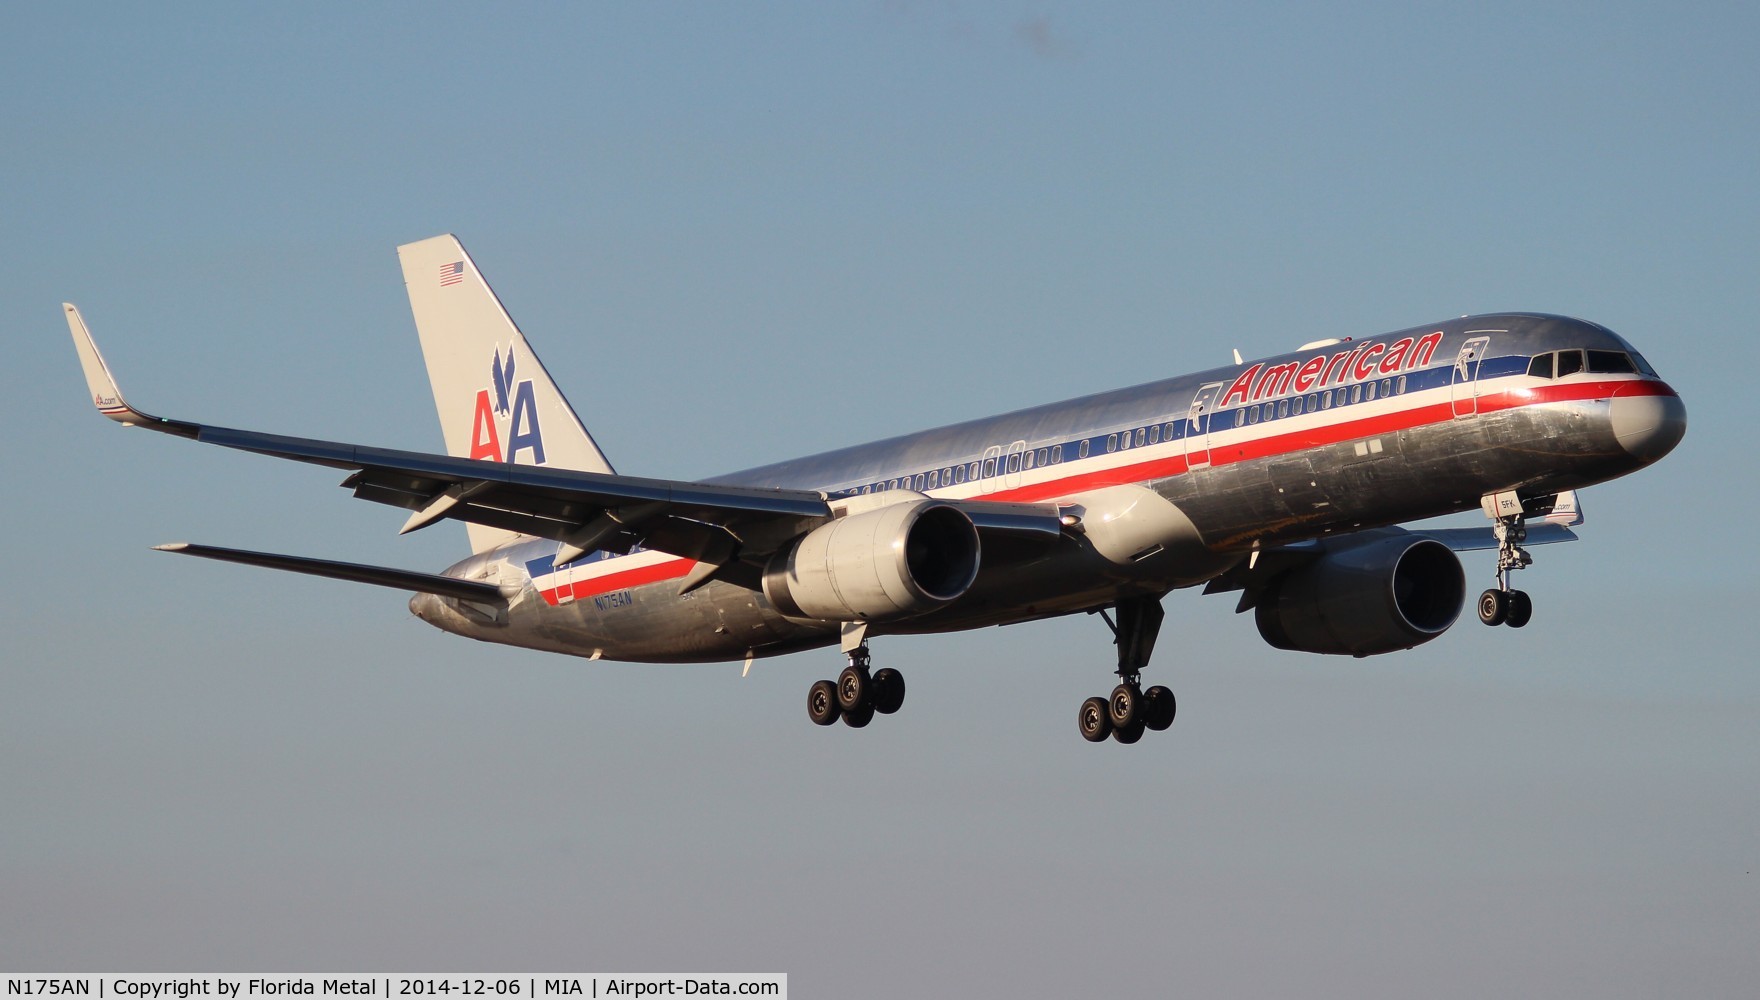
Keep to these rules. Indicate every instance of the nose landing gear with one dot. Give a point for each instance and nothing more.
(1503, 605)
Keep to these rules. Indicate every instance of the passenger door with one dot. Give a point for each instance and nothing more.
(1464, 386)
(1198, 426)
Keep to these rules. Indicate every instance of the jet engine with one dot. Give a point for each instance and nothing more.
(880, 565)
(1375, 596)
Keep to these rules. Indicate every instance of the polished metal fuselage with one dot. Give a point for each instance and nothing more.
(1431, 439)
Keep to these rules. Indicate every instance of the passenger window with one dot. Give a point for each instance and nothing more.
(947, 477)
(1027, 461)
(1056, 454)
(1042, 456)
(1326, 401)
(989, 467)
(1082, 449)
(1569, 363)
(1356, 394)
(1268, 411)
(1369, 391)
(1387, 387)
(920, 484)
(1014, 462)
(934, 478)
(1111, 442)
(1167, 431)
(1142, 436)
(1155, 434)
(1252, 415)
(972, 471)
(1611, 363)
(1399, 385)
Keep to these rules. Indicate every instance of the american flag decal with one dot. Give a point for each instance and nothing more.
(451, 274)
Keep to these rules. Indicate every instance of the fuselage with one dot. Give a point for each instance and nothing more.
(1335, 437)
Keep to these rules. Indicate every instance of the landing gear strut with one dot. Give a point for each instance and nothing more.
(856, 695)
(1130, 710)
(1502, 605)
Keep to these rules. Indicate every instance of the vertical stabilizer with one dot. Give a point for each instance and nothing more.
(496, 401)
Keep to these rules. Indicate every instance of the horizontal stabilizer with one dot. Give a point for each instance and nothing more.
(397, 579)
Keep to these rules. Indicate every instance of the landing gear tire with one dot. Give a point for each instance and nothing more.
(1130, 733)
(1158, 708)
(1095, 720)
(854, 688)
(1125, 707)
(859, 716)
(1494, 607)
(1521, 609)
(888, 690)
(822, 705)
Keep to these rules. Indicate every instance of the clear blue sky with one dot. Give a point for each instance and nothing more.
(742, 232)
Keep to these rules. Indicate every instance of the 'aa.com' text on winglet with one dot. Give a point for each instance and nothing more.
(102, 385)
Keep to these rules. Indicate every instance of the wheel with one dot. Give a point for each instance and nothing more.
(822, 705)
(888, 690)
(1130, 733)
(859, 716)
(854, 687)
(1521, 609)
(1493, 607)
(1126, 705)
(1095, 721)
(1158, 708)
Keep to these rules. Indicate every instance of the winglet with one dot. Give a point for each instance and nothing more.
(102, 385)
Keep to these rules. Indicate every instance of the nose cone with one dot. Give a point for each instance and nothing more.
(1648, 426)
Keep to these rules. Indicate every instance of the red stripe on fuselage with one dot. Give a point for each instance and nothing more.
(1273, 445)
(1240, 451)
(671, 569)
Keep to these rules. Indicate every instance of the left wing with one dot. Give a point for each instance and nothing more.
(726, 529)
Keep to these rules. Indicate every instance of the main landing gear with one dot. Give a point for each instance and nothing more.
(1501, 605)
(856, 694)
(1130, 710)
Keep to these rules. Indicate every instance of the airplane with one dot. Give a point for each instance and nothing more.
(1285, 479)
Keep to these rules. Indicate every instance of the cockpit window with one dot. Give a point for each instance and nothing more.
(1569, 363)
(1541, 366)
(1611, 362)
(1643, 366)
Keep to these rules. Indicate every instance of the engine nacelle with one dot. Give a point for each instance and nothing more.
(1372, 597)
(880, 565)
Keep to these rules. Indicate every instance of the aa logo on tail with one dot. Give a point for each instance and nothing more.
(513, 410)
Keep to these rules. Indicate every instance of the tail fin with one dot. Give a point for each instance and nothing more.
(495, 399)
